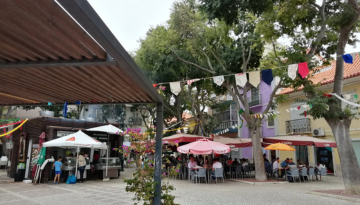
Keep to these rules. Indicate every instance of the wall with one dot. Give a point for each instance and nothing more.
(265, 91)
(320, 123)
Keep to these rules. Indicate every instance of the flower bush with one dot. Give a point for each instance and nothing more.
(142, 183)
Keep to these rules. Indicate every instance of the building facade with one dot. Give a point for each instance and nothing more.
(295, 122)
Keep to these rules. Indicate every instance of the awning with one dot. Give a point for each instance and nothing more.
(300, 140)
(182, 138)
(234, 142)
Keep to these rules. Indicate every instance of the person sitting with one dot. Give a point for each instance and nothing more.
(230, 161)
(191, 165)
(300, 163)
(276, 166)
(265, 159)
(216, 165)
(244, 163)
(235, 162)
(291, 162)
(285, 163)
(200, 161)
(206, 163)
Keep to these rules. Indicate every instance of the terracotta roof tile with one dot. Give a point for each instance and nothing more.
(326, 74)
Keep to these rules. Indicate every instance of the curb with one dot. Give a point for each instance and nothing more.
(258, 183)
(334, 196)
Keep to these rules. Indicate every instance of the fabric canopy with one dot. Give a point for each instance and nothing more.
(182, 138)
(300, 140)
(204, 146)
(78, 139)
(106, 128)
(234, 142)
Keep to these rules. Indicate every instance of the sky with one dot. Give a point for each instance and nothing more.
(129, 20)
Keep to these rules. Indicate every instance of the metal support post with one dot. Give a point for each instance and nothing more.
(158, 153)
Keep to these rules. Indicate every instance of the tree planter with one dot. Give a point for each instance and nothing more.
(47, 113)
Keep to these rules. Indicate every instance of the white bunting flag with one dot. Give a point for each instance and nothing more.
(235, 125)
(241, 79)
(191, 81)
(292, 71)
(219, 80)
(287, 110)
(277, 112)
(261, 116)
(304, 106)
(347, 97)
(254, 78)
(175, 88)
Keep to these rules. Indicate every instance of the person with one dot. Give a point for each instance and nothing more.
(276, 164)
(216, 165)
(245, 163)
(82, 164)
(230, 161)
(206, 163)
(191, 165)
(265, 159)
(318, 170)
(291, 162)
(96, 157)
(201, 161)
(285, 163)
(300, 163)
(57, 166)
(235, 162)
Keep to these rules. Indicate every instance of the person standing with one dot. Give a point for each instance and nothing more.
(82, 164)
(57, 165)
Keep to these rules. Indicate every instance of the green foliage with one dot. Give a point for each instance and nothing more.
(57, 109)
(142, 184)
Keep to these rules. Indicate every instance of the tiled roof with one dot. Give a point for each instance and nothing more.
(326, 74)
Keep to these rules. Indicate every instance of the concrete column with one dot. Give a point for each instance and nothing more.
(158, 153)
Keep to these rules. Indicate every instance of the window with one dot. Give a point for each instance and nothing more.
(254, 94)
(270, 122)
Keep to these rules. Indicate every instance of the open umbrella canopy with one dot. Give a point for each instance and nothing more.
(300, 140)
(204, 146)
(181, 137)
(280, 146)
(234, 142)
(111, 129)
(78, 139)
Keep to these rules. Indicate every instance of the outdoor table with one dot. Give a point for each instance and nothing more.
(280, 168)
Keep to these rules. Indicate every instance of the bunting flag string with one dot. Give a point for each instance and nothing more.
(5, 134)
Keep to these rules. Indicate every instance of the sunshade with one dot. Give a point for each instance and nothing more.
(78, 139)
(300, 140)
(181, 137)
(234, 142)
(111, 129)
(280, 146)
(204, 146)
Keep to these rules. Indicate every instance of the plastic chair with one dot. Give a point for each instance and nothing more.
(322, 172)
(304, 173)
(294, 173)
(238, 170)
(201, 173)
(312, 172)
(191, 173)
(246, 170)
(219, 173)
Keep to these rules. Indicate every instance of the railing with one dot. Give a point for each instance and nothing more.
(254, 100)
(298, 126)
(226, 124)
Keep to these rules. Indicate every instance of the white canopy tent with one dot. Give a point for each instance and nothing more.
(76, 140)
(111, 129)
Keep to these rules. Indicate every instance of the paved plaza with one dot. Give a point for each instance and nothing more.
(113, 192)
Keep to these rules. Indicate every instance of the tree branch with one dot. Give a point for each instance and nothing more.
(218, 59)
(275, 53)
(273, 93)
(322, 31)
(208, 61)
(190, 63)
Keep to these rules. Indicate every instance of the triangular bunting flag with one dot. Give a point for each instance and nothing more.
(304, 113)
(356, 96)
(292, 71)
(348, 58)
(299, 107)
(254, 78)
(267, 76)
(154, 85)
(241, 79)
(189, 82)
(219, 80)
(347, 97)
(303, 69)
(175, 87)
(287, 110)
(353, 55)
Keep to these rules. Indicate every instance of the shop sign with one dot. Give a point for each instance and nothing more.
(64, 133)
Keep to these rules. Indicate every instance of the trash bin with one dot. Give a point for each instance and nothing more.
(19, 175)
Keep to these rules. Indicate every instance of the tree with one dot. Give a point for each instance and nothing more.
(5, 116)
(320, 29)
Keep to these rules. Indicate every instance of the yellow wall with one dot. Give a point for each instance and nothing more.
(319, 123)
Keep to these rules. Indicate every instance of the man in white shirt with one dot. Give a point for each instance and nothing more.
(191, 165)
(276, 164)
(216, 165)
(244, 163)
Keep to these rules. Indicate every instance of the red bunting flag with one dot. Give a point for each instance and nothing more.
(299, 107)
(327, 95)
(154, 85)
(305, 113)
(303, 69)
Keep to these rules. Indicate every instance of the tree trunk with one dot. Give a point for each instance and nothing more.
(349, 164)
(260, 173)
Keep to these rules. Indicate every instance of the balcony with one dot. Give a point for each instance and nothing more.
(254, 100)
(226, 124)
(298, 126)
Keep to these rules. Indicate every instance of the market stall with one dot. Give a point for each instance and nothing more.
(77, 140)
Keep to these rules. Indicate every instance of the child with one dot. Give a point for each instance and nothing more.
(57, 166)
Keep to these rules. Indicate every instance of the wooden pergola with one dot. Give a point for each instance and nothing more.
(61, 52)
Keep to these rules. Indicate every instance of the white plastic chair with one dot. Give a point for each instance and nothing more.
(322, 172)
(201, 173)
(304, 173)
(219, 173)
(312, 172)
(294, 173)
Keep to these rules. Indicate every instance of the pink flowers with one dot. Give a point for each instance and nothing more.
(113, 149)
(177, 170)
